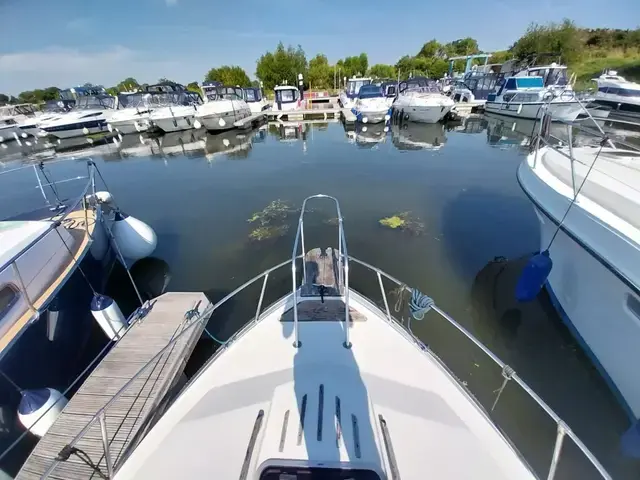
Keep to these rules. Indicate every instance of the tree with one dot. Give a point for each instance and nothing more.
(113, 91)
(4, 99)
(462, 46)
(381, 70)
(432, 67)
(165, 80)
(228, 75)
(561, 39)
(356, 65)
(194, 87)
(283, 65)
(129, 84)
(320, 73)
(432, 48)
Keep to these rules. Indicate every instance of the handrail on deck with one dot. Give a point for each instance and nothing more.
(343, 259)
(562, 428)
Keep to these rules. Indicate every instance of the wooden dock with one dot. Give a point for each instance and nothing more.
(251, 120)
(303, 114)
(129, 417)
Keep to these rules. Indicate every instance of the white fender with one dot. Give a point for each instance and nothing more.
(135, 238)
(221, 122)
(109, 316)
(35, 403)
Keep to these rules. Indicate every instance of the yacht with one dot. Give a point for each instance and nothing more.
(224, 106)
(522, 92)
(474, 88)
(420, 100)
(371, 105)
(619, 94)
(54, 263)
(136, 107)
(587, 199)
(287, 98)
(348, 97)
(324, 383)
(25, 115)
(176, 111)
(255, 99)
(89, 116)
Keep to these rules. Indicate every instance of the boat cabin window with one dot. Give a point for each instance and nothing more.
(8, 121)
(354, 85)
(550, 76)
(622, 92)
(287, 96)
(132, 100)
(9, 295)
(370, 91)
(252, 94)
(527, 82)
(317, 473)
(100, 102)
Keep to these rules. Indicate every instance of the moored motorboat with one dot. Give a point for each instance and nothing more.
(224, 106)
(342, 389)
(255, 99)
(287, 98)
(618, 95)
(588, 203)
(348, 97)
(420, 100)
(175, 112)
(89, 116)
(371, 106)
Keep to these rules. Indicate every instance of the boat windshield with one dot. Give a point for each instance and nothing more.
(184, 98)
(287, 96)
(553, 76)
(91, 102)
(223, 93)
(133, 100)
(354, 85)
(252, 94)
(58, 106)
(420, 85)
(370, 91)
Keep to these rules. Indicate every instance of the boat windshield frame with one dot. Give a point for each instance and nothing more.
(256, 92)
(508, 374)
(133, 100)
(419, 85)
(372, 91)
(95, 102)
(295, 95)
(223, 92)
(355, 84)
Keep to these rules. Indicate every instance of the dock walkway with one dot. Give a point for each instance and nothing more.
(128, 418)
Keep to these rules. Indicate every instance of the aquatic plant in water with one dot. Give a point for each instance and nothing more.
(403, 221)
(271, 220)
(264, 233)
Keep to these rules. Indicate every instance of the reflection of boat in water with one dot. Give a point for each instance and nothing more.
(418, 136)
(179, 143)
(288, 131)
(469, 124)
(369, 136)
(232, 143)
(311, 388)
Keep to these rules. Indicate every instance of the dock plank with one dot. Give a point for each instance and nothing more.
(134, 410)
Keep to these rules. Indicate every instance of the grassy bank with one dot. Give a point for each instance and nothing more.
(626, 63)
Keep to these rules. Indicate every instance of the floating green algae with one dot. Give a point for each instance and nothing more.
(403, 221)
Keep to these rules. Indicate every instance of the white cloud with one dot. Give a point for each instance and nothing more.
(64, 67)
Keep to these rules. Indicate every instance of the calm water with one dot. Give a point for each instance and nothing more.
(197, 192)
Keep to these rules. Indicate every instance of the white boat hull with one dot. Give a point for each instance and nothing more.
(77, 132)
(586, 287)
(562, 111)
(223, 120)
(424, 114)
(173, 124)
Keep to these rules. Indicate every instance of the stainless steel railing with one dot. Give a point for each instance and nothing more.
(562, 429)
(343, 258)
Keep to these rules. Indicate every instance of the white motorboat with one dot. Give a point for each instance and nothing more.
(474, 88)
(176, 112)
(89, 116)
(390, 90)
(371, 106)
(322, 383)
(420, 100)
(523, 93)
(348, 96)
(223, 107)
(621, 96)
(287, 98)
(587, 199)
(25, 115)
(255, 99)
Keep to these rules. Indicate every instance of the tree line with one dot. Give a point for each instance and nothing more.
(568, 44)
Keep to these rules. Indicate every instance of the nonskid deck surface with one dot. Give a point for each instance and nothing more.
(382, 404)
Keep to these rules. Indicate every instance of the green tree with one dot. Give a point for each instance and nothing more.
(129, 84)
(432, 48)
(194, 87)
(432, 67)
(563, 39)
(4, 99)
(113, 91)
(228, 75)
(283, 65)
(462, 46)
(320, 73)
(501, 56)
(381, 70)
(352, 66)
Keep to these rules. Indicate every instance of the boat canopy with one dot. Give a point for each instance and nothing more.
(286, 94)
(95, 102)
(131, 100)
(354, 85)
(221, 92)
(390, 88)
(252, 94)
(370, 91)
(419, 84)
(58, 106)
(164, 87)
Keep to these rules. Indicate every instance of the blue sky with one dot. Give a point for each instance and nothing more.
(67, 42)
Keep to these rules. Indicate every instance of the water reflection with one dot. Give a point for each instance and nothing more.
(416, 136)
(370, 136)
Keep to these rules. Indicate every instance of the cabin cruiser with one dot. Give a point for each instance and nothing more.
(324, 383)
(175, 111)
(223, 108)
(587, 199)
(25, 115)
(287, 98)
(89, 116)
(54, 263)
(136, 107)
(255, 99)
(522, 92)
(420, 100)
(348, 96)
(371, 106)
(390, 90)
(620, 95)
(474, 88)
(410, 136)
